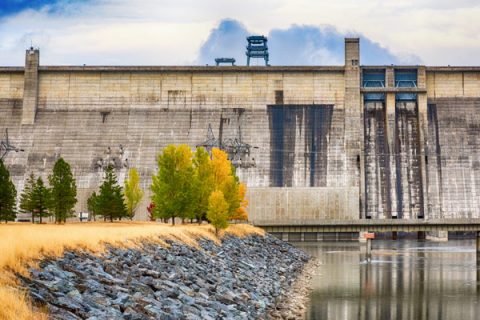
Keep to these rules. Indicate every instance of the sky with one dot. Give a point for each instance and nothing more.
(194, 32)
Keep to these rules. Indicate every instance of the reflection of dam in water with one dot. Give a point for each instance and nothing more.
(406, 280)
(311, 142)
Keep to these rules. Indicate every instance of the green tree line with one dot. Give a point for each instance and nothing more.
(189, 185)
(39, 200)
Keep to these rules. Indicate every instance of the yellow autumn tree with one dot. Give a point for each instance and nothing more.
(241, 213)
(222, 168)
(133, 193)
(217, 212)
(226, 180)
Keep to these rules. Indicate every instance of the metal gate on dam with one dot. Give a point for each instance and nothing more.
(312, 143)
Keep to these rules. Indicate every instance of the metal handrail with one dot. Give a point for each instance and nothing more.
(413, 83)
(367, 83)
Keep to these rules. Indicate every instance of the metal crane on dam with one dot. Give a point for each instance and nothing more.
(6, 146)
(237, 150)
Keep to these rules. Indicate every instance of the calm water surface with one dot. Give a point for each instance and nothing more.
(407, 279)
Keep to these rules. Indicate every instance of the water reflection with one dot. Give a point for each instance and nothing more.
(406, 279)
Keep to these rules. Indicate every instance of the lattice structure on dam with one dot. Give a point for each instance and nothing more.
(311, 142)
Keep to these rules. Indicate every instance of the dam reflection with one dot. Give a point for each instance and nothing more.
(407, 279)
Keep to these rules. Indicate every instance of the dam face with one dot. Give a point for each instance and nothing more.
(317, 142)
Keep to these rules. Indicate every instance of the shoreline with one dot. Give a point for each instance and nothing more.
(294, 305)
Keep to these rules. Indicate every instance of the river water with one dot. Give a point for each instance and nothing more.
(406, 279)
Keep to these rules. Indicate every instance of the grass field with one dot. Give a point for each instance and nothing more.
(23, 245)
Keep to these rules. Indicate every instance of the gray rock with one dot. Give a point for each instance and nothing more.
(241, 279)
(121, 299)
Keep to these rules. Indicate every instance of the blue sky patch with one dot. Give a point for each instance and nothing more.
(12, 7)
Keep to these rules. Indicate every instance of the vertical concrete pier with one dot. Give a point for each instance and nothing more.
(30, 95)
(352, 121)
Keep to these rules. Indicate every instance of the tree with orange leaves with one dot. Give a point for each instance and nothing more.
(241, 213)
(226, 180)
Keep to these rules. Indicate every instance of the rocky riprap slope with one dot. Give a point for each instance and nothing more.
(243, 278)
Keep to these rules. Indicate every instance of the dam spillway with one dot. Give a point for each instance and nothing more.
(326, 142)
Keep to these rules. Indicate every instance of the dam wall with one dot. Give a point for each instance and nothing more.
(323, 142)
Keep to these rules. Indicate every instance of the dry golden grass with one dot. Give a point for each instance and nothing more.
(23, 245)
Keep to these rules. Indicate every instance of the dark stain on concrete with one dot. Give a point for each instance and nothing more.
(285, 121)
(434, 137)
(377, 156)
(408, 164)
(318, 121)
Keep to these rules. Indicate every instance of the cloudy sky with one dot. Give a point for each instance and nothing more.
(184, 32)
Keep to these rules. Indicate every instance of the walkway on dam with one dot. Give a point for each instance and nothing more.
(371, 225)
(374, 225)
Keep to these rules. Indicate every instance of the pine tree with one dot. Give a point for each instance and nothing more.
(63, 191)
(109, 202)
(40, 199)
(26, 204)
(8, 195)
(172, 186)
(92, 205)
(133, 192)
(217, 212)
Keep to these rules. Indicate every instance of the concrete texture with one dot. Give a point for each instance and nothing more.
(319, 151)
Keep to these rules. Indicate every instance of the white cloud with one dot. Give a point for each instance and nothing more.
(172, 31)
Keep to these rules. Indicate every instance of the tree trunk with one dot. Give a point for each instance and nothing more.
(111, 218)
(40, 218)
(173, 220)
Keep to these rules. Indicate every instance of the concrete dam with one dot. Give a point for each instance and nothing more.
(311, 142)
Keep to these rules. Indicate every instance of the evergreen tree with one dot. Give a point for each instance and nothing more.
(39, 199)
(172, 186)
(203, 182)
(109, 202)
(26, 204)
(217, 212)
(63, 192)
(8, 195)
(92, 205)
(133, 192)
